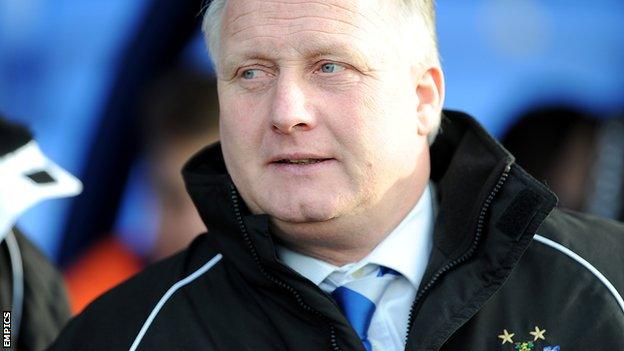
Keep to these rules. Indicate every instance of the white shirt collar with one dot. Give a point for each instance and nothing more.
(406, 249)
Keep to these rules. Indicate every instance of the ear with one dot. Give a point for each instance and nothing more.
(430, 92)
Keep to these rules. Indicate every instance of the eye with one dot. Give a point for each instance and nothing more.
(250, 73)
(331, 68)
(254, 73)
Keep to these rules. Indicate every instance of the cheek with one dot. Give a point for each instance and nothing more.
(379, 129)
(233, 121)
(354, 120)
(397, 123)
(236, 130)
(240, 124)
(369, 121)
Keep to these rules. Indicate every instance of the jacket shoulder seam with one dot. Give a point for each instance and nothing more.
(581, 261)
(175, 287)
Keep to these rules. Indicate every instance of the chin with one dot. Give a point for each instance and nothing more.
(302, 211)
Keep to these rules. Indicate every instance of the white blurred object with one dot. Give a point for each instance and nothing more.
(19, 192)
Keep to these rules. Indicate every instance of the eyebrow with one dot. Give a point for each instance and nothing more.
(339, 49)
(233, 59)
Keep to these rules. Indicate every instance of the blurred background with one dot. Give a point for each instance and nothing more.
(120, 93)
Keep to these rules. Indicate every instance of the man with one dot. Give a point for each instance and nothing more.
(334, 225)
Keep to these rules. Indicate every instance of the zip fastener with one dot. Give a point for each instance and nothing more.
(281, 284)
(466, 256)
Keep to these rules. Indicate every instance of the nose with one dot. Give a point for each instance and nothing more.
(291, 110)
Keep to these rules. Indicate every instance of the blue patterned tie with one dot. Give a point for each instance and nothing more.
(357, 300)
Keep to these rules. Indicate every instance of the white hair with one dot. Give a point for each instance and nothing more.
(211, 26)
(415, 14)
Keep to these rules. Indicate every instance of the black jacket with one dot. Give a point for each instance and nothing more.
(44, 308)
(489, 273)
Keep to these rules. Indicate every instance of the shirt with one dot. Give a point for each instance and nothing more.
(406, 250)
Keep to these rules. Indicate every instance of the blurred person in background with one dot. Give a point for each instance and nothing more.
(32, 293)
(579, 156)
(180, 116)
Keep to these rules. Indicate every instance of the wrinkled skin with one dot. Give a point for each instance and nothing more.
(325, 81)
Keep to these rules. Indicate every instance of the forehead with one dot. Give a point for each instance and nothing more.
(282, 25)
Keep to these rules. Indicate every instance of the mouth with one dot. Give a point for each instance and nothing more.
(302, 161)
(302, 164)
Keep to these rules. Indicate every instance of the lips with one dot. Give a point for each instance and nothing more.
(301, 164)
(299, 159)
(305, 161)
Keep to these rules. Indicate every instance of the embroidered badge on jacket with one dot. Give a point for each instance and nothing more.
(506, 337)
(538, 336)
(524, 346)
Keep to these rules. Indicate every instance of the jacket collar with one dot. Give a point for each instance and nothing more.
(489, 210)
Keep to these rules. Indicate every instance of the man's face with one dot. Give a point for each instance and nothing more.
(319, 108)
